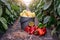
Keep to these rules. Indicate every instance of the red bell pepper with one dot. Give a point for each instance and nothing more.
(41, 31)
(44, 29)
(27, 29)
(32, 29)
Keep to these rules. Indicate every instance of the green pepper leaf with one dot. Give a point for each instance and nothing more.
(4, 23)
(0, 11)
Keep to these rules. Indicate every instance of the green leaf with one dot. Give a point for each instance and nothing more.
(58, 9)
(3, 19)
(6, 3)
(4, 23)
(0, 11)
(14, 7)
(40, 5)
(39, 15)
(11, 16)
(58, 26)
(15, 14)
(46, 19)
(47, 4)
(52, 20)
(53, 31)
(5, 26)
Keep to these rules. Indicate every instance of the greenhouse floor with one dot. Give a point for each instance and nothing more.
(15, 33)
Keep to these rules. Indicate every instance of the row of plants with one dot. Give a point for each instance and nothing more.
(9, 12)
(48, 13)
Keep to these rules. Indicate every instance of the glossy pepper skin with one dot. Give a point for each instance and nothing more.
(35, 27)
(44, 29)
(31, 29)
(27, 29)
(41, 31)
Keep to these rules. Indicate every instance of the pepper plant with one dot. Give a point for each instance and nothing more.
(48, 13)
(9, 12)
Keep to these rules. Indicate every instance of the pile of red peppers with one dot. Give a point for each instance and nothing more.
(32, 29)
